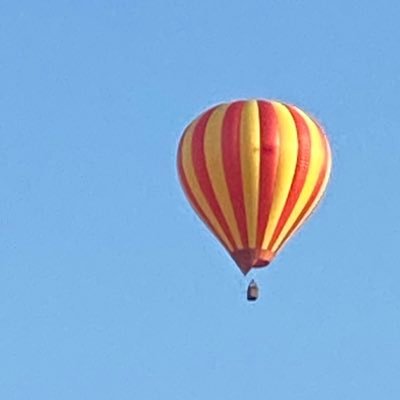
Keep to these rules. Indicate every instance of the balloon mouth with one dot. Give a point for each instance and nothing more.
(246, 259)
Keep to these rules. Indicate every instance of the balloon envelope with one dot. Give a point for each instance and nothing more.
(254, 170)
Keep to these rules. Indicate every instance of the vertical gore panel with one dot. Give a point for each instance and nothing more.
(200, 167)
(301, 171)
(316, 195)
(269, 158)
(194, 187)
(250, 165)
(215, 168)
(288, 154)
(314, 168)
(232, 165)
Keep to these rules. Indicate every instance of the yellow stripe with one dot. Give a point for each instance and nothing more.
(317, 198)
(187, 164)
(316, 160)
(288, 150)
(216, 172)
(250, 165)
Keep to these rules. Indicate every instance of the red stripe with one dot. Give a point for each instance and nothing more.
(300, 174)
(189, 194)
(269, 157)
(232, 166)
(200, 168)
(315, 192)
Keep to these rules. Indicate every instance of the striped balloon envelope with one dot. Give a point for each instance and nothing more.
(254, 170)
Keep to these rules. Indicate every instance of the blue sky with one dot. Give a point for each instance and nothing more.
(110, 287)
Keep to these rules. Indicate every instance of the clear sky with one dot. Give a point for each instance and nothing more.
(110, 287)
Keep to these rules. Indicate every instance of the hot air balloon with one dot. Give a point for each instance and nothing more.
(254, 171)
